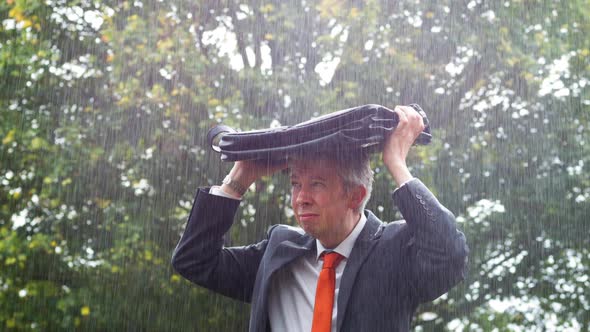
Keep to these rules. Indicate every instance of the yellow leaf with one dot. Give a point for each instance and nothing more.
(124, 102)
(85, 311)
(148, 255)
(267, 8)
(10, 261)
(11, 323)
(9, 137)
(329, 8)
(528, 76)
(66, 182)
(175, 278)
(102, 203)
(16, 13)
(16, 194)
(165, 44)
(213, 102)
(37, 143)
(219, 115)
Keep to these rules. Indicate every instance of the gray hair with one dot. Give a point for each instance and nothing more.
(354, 170)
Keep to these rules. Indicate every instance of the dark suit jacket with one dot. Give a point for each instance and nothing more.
(392, 267)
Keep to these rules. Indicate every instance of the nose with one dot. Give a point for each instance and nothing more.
(302, 196)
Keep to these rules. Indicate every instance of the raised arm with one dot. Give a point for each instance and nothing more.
(244, 173)
(438, 251)
(200, 255)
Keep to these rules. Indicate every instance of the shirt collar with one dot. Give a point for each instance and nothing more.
(345, 247)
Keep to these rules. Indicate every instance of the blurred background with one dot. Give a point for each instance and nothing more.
(105, 106)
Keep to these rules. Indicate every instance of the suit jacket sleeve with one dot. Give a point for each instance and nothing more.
(437, 250)
(201, 257)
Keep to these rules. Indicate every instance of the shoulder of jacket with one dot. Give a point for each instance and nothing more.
(282, 228)
(398, 222)
(395, 227)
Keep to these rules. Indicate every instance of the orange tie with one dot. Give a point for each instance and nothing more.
(324, 294)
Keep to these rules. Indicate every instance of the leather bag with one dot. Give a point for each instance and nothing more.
(359, 128)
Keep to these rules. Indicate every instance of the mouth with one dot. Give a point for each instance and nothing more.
(307, 216)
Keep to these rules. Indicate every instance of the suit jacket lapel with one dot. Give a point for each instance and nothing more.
(362, 247)
(284, 253)
(289, 250)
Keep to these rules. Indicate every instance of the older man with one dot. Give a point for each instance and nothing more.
(343, 269)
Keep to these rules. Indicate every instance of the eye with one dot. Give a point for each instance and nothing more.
(295, 184)
(317, 184)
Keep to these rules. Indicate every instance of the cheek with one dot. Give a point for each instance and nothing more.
(327, 199)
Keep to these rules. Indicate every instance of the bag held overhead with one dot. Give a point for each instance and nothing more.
(358, 128)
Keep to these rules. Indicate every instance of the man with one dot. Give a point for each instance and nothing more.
(343, 270)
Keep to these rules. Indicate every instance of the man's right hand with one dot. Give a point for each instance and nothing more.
(246, 172)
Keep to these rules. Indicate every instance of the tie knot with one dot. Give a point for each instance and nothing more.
(331, 259)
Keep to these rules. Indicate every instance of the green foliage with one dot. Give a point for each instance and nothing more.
(104, 109)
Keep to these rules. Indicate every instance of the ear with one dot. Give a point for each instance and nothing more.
(357, 194)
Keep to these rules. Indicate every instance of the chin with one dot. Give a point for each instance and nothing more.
(308, 228)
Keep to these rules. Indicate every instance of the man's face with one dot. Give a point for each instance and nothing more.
(320, 202)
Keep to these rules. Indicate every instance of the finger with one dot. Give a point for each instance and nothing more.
(401, 113)
(414, 118)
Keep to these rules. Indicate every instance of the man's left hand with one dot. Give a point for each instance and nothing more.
(398, 143)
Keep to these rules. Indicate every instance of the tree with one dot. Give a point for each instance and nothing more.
(104, 110)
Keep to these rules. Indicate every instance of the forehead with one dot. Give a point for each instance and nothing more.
(316, 167)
